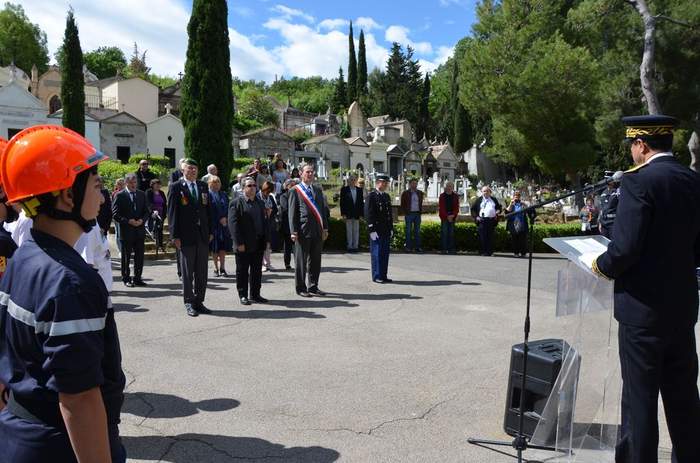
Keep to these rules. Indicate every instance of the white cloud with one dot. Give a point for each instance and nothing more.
(243, 11)
(367, 24)
(289, 13)
(249, 61)
(331, 24)
(446, 3)
(400, 34)
(441, 57)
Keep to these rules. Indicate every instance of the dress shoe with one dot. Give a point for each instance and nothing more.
(245, 301)
(140, 282)
(190, 310)
(222, 273)
(317, 292)
(287, 267)
(388, 280)
(303, 293)
(259, 299)
(129, 284)
(201, 308)
(216, 273)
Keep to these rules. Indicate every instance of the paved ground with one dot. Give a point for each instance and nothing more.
(402, 372)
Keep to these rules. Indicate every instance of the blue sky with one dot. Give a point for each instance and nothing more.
(268, 37)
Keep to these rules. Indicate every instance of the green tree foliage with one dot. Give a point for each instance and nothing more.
(253, 105)
(340, 96)
(440, 103)
(162, 81)
(206, 108)
(21, 41)
(423, 125)
(362, 67)
(372, 103)
(105, 62)
(73, 80)
(137, 64)
(312, 94)
(352, 69)
(400, 86)
(539, 91)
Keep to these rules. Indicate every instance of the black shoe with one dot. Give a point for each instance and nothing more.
(190, 310)
(303, 293)
(140, 282)
(223, 273)
(201, 308)
(317, 292)
(245, 301)
(388, 280)
(287, 267)
(216, 273)
(419, 250)
(129, 284)
(259, 299)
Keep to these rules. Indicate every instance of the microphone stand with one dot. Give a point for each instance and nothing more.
(521, 442)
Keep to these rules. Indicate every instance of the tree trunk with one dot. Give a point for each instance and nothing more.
(694, 148)
(646, 69)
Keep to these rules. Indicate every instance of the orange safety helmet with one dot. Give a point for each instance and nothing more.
(3, 144)
(44, 159)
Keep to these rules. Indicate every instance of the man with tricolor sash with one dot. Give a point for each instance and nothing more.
(308, 226)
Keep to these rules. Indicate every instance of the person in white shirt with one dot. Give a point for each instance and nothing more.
(485, 213)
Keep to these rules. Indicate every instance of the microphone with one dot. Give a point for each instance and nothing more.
(616, 177)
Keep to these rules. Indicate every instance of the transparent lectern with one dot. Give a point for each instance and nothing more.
(581, 416)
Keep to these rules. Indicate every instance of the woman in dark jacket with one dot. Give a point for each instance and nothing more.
(517, 225)
(157, 204)
(271, 210)
(218, 212)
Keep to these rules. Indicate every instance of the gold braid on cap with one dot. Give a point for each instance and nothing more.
(634, 132)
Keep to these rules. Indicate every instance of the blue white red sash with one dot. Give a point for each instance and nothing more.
(310, 204)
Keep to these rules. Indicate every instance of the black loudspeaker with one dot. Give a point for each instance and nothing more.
(543, 365)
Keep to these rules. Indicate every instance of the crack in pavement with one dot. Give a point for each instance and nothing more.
(371, 430)
(187, 333)
(150, 406)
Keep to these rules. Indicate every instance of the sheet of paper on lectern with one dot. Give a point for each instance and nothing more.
(581, 250)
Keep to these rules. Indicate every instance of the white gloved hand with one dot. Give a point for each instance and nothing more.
(587, 259)
(374, 236)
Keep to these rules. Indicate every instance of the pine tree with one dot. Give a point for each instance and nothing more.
(340, 96)
(362, 67)
(73, 86)
(454, 99)
(352, 69)
(461, 131)
(206, 108)
(423, 126)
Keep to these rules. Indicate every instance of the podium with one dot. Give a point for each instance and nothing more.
(581, 417)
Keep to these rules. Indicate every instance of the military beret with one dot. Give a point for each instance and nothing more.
(190, 162)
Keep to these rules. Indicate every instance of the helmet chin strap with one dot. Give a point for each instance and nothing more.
(79, 187)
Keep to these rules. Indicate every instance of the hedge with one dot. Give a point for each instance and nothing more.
(465, 236)
(112, 170)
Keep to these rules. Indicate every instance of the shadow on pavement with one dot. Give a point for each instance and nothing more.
(343, 269)
(435, 283)
(151, 405)
(146, 293)
(373, 297)
(189, 448)
(265, 314)
(132, 308)
(313, 303)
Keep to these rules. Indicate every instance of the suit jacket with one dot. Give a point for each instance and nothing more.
(348, 208)
(175, 176)
(476, 207)
(242, 226)
(378, 214)
(283, 205)
(652, 257)
(406, 201)
(124, 210)
(188, 219)
(143, 179)
(301, 219)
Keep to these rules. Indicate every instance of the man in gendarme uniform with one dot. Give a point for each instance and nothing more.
(59, 348)
(652, 257)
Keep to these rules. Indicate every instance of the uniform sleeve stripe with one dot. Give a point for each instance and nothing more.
(63, 328)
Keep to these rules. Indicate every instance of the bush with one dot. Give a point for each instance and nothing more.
(160, 161)
(465, 236)
(112, 170)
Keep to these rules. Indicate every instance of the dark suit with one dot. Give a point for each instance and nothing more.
(309, 243)
(283, 201)
(132, 238)
(243, 231)
(653, 254)
(143, 179)
(486, 226)
(352, 211)
(188, 219)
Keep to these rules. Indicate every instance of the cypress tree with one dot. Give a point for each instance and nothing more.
(206, 108)
(362, 67)
(339, 94)
(352, 69)
(423, 126)
(454, 99)
(462, 129)
(73, 81)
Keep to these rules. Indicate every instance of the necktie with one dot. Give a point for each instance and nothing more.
(194, 193)
(133, 200)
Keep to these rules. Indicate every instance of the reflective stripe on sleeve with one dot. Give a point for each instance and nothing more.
(63, 328)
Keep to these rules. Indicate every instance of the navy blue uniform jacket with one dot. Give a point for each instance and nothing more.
(655, 246)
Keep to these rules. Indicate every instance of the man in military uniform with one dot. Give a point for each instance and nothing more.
(608, 205)
(652, 257)
(380, 225)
